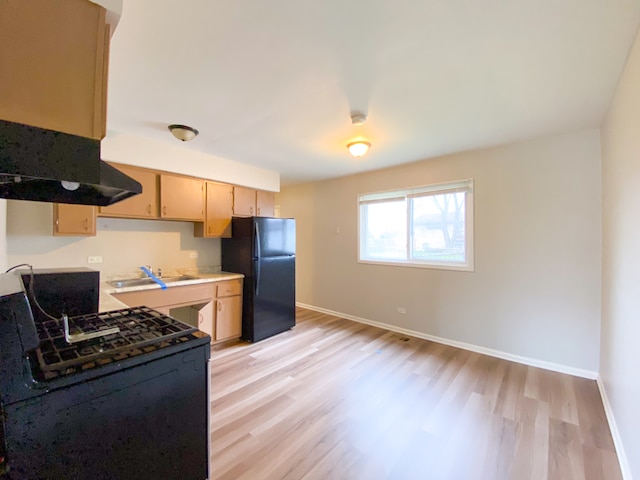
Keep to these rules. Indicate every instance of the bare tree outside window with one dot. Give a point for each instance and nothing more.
(438, 226)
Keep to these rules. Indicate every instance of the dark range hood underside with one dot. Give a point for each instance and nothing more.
(34, 162)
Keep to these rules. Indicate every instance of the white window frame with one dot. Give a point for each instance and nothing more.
(465, 185)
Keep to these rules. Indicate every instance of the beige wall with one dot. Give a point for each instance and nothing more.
(123, 244)
(621, 259)
(535, 291)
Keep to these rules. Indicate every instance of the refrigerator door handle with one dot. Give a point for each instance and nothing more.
(257, 249)
(256, 279)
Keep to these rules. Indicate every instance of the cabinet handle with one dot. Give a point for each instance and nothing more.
(85, 224)
(258, 211)
(149, 209)
(219, 306)
(209, 229)
(200, 319)
(251, 210)
(164, 209)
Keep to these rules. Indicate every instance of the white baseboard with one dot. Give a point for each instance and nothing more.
(615, 433)
(556, 367)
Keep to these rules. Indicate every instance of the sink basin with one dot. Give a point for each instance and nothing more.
(137, 282)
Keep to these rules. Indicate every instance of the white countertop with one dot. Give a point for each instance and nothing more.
(109, 302)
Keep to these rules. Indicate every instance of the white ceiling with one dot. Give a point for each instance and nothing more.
(272, 83)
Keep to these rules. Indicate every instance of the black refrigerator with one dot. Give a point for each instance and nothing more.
(263, 249)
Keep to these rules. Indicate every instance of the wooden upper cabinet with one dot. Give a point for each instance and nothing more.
(218, 212)
(144, 205)
(265, 203)
(249, 202)
(244, 202)
(74, 220)
(54, 57)
(181, 198)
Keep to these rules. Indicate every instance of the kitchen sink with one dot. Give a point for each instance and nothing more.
(137, 282)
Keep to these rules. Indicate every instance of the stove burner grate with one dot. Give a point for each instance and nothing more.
(142, 329)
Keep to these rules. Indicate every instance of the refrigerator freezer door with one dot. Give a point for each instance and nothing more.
(274, 237)
(274, 298)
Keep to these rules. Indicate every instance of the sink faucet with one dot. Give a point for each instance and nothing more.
(149, 271)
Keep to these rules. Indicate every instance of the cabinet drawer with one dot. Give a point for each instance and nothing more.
(228, 289)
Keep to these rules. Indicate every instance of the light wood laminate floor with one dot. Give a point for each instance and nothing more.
(335, 399)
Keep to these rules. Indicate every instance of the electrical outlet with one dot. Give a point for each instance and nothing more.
(193, 254)
(96, 259)
(402, 310)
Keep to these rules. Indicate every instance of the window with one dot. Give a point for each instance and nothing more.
(429, 226)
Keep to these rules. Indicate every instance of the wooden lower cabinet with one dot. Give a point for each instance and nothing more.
(204, 318)
(74, 220)
(228, 317)
(215, 308)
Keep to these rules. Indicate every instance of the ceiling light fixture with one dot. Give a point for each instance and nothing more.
(359, 148)
(183, 132)
(358, 118)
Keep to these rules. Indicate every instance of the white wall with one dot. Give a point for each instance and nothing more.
(621, 259)
(123, 244)
(173, 156)
(535, 291)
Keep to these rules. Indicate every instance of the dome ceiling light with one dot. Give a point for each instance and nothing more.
(183, 132)
(359, 147)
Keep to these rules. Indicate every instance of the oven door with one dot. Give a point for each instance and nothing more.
(147, 421)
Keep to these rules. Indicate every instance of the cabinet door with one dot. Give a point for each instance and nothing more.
(74, 220)
(205, 320)
(54, 56)
(244, 202)
(228, 317)
(265, 203)
(182, 198)
(218, 211)
(144, 205)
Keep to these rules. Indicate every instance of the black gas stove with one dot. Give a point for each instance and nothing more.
(114, 395)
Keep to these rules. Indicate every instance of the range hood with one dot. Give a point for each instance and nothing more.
(48, 166)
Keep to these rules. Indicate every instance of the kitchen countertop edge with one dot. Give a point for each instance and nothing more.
(109, 302)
